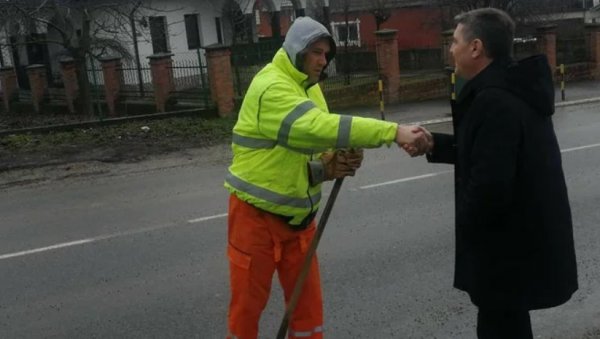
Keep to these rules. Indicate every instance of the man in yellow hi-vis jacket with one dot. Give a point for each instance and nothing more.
(285, 144)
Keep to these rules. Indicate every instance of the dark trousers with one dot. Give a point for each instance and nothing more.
(503, 324)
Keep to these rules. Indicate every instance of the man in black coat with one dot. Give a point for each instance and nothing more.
(514, 235)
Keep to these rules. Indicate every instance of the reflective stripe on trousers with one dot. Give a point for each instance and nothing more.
(306, 334)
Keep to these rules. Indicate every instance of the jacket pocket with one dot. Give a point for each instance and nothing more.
(238, 257)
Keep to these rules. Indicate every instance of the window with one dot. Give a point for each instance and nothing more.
(341, 32)
(219, 30)
(159, 34)
(192, 31)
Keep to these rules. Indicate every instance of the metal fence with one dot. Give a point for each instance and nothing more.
(571, 50)
(421, 59)
(525, 47)
(256, 53)
(137, 82)
(247, 59)
(353, 66)
(191, 82)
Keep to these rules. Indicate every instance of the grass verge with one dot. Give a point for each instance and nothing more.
(128, 141)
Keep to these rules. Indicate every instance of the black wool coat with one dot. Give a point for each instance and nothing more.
(514, 235)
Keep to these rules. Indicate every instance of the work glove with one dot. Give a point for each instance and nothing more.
(334, 165)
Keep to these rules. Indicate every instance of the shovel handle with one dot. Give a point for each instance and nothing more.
(307, 260)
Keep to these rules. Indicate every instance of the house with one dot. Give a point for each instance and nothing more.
(418, 23)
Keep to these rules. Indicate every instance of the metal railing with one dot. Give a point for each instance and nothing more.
(133, 87)
(191, 84)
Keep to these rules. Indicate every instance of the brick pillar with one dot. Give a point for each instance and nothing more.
(113, 80)
(8, 78)
(389, 63)
(69, 76)
(593, 46)
(162, 79)
(39, 85)
(547, 44)
(447, 57)
(220, 78)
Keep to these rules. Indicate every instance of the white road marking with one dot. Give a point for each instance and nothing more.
(577, 102)
(217, 216)
(431, 122)
(193, 221)
(82, 242)
(579, 148)
(419, 177)
(44, 249)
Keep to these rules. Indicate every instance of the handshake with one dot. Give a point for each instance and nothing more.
(415, 140)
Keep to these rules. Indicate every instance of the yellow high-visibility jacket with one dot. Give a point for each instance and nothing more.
(283, 125)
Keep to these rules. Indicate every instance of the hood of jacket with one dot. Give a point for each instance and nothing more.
(530, 79)
(303, 32)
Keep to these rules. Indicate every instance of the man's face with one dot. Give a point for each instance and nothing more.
(462, 51)
(315, 59)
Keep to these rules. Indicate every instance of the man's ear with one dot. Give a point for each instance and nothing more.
(477, 48)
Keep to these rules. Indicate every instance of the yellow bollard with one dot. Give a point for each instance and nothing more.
(381, 104)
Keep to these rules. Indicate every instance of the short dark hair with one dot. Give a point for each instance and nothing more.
(494, 27)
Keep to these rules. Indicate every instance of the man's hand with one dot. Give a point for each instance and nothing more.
(415, 140)
(419, 149)
(341, 163)
(354, 157)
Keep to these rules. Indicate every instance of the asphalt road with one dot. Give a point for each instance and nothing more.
(141, 253)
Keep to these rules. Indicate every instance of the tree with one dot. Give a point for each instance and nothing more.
(316, 10)
(237, 24)
(84, 29)
(381, 11)
(523, 11)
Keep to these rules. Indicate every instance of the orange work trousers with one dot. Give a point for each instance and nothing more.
(259, 244)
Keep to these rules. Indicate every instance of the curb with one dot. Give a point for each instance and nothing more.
(577, 102)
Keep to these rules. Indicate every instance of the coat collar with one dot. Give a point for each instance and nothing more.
(282, 61)
(494, 75)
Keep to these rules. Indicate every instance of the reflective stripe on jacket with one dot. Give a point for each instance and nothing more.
(282, 125)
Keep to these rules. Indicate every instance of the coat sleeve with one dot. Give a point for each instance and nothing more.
(490, 181)
(444, 149)
(295, 121)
